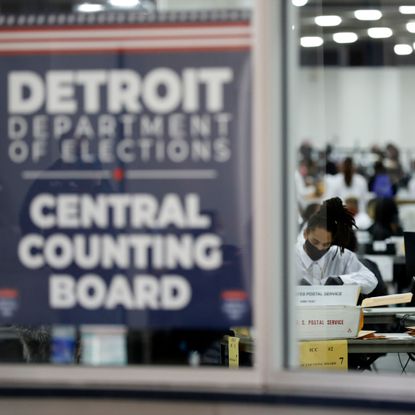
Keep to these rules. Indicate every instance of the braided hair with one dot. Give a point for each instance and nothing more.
(336, 219)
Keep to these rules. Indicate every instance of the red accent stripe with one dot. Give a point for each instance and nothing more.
(8, 293)
(126, 50)
(144, 25)
(234, 295)
(114, 39)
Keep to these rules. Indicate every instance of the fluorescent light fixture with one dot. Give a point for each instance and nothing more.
(299, 3)
(403, 49)
(328, 20)
(127, 4)
(407, 9)
(368, 14)
(379, 32)
(345, 37)
(311, 41)
(410, 27)
(89, 7)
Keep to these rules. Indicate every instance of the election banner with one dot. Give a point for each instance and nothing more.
(125, 170)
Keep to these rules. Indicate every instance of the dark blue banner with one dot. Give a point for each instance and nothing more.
(125, 176)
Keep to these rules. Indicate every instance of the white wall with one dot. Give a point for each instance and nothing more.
(357, 106)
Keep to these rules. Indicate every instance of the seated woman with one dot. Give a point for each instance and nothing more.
(323, 258)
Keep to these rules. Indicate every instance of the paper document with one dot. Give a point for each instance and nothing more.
(324, 355)
(387, 299)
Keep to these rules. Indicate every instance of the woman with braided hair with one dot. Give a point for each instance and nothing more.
(323, 258)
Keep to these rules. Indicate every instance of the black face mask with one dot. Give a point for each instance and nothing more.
(314, 253)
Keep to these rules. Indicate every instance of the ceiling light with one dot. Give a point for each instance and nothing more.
(403, 49)
(368, 14)
(379, 32)
(299, 3)
(345, 37)
(89, 7)
(407, 9)
(410, 27)
(311, 41)
(128, 4)
(328, 20)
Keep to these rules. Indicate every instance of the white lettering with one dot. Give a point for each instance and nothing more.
(25, 92)
(90, 291)
(161, 90)
(62, 291)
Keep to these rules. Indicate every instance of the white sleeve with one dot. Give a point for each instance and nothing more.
(358, 274)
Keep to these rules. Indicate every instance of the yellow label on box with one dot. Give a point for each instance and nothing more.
(233, 351)
(241, 331)
(324, 355)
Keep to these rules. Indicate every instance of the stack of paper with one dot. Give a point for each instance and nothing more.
(411, 330)
(369, 335)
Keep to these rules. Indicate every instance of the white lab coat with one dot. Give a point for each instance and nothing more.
(334, 264)
(336, 186)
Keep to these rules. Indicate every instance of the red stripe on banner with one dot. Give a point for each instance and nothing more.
(114, 39)
(144, 25)
(234, 295)
(8, 293)
(125, 50)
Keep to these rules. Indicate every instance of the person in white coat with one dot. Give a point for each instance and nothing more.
(323, 259)
(347, 184)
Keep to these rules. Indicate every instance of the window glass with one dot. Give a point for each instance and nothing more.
(354, 82)
(126, 196)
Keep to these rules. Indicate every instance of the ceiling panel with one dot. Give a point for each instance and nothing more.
(382, 50)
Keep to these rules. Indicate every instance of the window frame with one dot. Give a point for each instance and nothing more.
(265, 213)
(274, 227)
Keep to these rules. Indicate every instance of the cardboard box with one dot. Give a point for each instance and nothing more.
(317, 322)
(320, 318)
